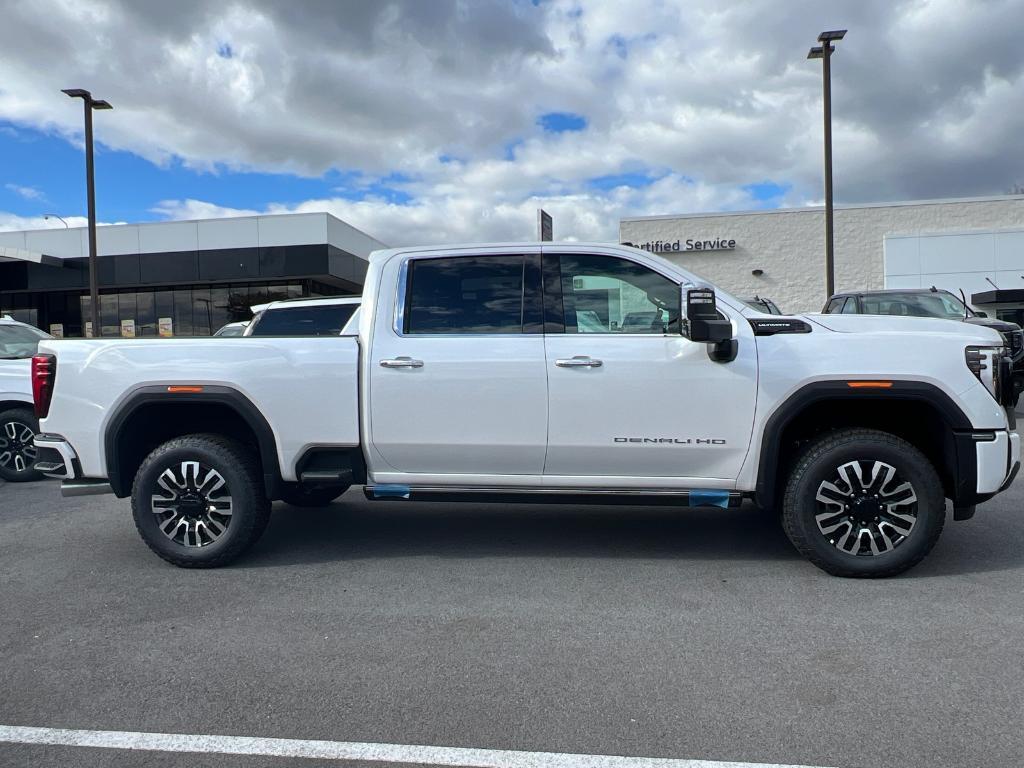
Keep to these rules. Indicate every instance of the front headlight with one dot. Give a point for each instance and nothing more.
(984, 363)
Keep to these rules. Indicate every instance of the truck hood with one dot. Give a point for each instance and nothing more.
(971, 333)
(990, 322)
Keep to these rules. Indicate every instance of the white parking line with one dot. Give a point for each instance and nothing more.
(458, 757)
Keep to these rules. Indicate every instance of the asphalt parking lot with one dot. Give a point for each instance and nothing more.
(625, 631)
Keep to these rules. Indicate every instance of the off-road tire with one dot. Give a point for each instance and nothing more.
(819, 460)
(19, 419)
(298, 496)
(250, 509)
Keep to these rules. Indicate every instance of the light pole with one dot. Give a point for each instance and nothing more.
(48, 216)
(824, 52)
(90, 104)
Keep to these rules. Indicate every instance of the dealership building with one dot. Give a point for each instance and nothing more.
(973, 244)
(184, 278)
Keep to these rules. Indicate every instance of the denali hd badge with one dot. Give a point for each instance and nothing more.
(671, 440)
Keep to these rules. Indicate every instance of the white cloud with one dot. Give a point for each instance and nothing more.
(29, 193)
(12, 221)
(706, 97)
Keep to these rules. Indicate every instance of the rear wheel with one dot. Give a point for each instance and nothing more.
(198, 501)
(863, 503)
(304, 496)
(18, 428)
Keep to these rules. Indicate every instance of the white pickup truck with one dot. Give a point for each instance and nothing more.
(541, 372)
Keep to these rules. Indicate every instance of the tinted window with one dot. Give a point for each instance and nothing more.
(326, 320)
(834, 305)
(19, 341)
(850, 307)
(931, 304)
(465, 295)
(604, 294)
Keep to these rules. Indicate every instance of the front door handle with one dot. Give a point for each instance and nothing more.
(579, 361)
(401, 362)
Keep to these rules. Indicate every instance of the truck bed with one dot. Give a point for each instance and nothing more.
(307, 388)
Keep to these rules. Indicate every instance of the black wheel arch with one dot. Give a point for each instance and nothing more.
(954, 455)
(168, 413)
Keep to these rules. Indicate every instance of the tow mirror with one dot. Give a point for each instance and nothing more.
(704, 324)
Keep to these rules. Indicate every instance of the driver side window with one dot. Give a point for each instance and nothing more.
(605, 294)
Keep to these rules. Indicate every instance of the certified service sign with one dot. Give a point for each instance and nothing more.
(690, 244)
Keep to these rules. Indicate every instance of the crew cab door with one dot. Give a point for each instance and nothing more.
(457, 375)
(632, 401)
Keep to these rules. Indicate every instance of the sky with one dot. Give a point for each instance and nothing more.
(455, 120)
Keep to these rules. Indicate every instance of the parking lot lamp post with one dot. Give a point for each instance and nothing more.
(824, 52)
(90, 104)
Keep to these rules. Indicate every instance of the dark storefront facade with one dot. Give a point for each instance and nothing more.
(198, 290)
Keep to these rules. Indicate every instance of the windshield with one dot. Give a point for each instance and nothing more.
(18, 341)
(763, 305)
(935, 304)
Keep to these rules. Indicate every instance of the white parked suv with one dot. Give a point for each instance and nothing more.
(540, 372)
(18, 425)
(303, 317)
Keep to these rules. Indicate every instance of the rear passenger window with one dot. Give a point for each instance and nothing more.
(465, 294)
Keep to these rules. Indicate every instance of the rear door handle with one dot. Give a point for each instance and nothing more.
(401, 362)
(579, 361)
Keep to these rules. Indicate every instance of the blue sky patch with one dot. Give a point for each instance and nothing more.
(614, 180)
(225, 51)
(128, 186)
(767, 191)
(561, 122)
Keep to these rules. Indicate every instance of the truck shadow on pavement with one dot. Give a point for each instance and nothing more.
(353, 529)
(345, 531)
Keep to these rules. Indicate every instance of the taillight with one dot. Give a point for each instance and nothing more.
(44, 372)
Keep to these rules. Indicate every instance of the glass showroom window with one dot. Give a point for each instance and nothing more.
(604, 294)
(465, 295)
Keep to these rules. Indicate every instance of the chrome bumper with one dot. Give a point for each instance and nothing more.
(57, 459)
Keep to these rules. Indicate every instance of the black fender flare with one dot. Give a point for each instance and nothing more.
(219, 395)
(962, 464)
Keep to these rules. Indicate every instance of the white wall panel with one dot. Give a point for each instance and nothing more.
(902, 256)
(116, 240)
(173, 236)
(1009, 250)
(300, 229)
(64, 243)
(957, 253)
(903, 281)
(12, 240)
(228, 233)
(1009, 278)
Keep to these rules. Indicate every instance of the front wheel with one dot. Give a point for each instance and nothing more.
(18, 428)
(863, 503)
(198, 501)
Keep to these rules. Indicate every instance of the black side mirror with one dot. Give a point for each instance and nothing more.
(979, 313)
(704, 324)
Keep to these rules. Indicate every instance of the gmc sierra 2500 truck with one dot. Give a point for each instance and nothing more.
(540, 372)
